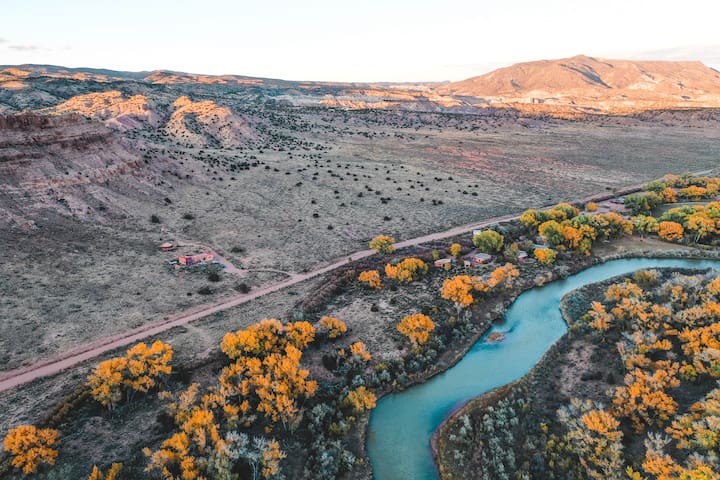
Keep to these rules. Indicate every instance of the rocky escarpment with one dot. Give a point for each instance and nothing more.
(206, 123)
(114, 109)
(65, 165)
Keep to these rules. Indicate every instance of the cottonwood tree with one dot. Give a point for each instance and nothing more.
(408, 270)
(489, 241)
(31, 447)
(335, 328)
(383, 244)
(417, 328)
(371, 278)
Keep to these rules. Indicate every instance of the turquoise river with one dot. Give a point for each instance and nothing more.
(402, 423)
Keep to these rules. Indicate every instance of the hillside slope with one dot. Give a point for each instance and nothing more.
(601, 84)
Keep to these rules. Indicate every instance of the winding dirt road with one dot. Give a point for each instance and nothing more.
(13, 378)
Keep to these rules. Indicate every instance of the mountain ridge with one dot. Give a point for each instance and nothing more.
(561, 87)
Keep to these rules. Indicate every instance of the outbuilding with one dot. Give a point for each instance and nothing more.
(189, 260)
(477, 258)
(441, 262)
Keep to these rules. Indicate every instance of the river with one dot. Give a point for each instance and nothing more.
(401, 425)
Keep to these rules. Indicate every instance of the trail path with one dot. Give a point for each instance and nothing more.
(13, 378)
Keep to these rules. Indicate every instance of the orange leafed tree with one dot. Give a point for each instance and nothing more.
(545, 256)
(383, 244)
(31, 447)
(138, 371)
(644, 399)
(359, 352)
(271, 457)
(299, 334)
(268, 336)
(371, 278)
(112, 473)
(601, 320)
(273, 385)
(145, 365)
(417, 328)
(107, 380)
(408, 270)
(671, 231)
(669, 195)
(361, 400)
(458, 290)
(334, 327)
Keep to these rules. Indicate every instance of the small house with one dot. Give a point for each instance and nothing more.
(618, 200)
(189, 260)
(477, 232)
(522, 256)
(537, 246)
(540, 240)
(477, 258)
(167, 247)
(441, 262)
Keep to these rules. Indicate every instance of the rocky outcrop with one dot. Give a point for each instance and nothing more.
(61, 163)
(113, 109)
(208, 124)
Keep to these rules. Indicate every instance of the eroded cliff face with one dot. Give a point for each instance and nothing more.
(114, 109)
(64, 164)
(207, 124)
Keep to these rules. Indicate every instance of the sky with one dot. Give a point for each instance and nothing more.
(371, 40)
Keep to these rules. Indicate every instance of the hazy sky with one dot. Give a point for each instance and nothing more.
(369, 40)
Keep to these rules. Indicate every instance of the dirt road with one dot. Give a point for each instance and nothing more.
(13, 378)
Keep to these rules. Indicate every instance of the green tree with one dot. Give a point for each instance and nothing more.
(489, 241)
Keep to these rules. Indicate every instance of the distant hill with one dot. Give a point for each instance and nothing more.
(595, 83)
(565, 87)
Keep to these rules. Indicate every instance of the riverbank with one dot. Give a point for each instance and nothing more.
(571, 264)
(571, 366)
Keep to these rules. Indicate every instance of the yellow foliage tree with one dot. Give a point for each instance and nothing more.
(693, 192)
(359, 352)
(546, 256)
(275, 383)
(644, 399)
(371, 277)
(138, 371)
(408, 270)
(271, 457)
(417, 328)
(145, 365)
(669, 195)
(267, 337)
(383, 244)
(601, 319)
(31, 447)
(361, 400)
(112, 473)
(334, 327)
(458, 290)
(299, 334)
(670, 231)
(106, 382)
(455, 249)
(591, 207)
(596, 437)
